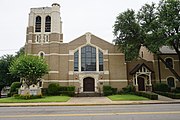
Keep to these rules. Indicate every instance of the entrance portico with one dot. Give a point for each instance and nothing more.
(88, 82)
(142, 76)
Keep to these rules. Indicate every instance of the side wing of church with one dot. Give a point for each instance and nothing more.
(88, 62)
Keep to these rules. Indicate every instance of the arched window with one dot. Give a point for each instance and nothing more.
(41, 54)
(76, 61)
(169, 61)
(100, 61)
(38, 24)
(88, 58)
(48, 24)
(171, 82)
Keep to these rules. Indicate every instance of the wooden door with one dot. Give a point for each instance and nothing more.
(141, 84)
(88, 84)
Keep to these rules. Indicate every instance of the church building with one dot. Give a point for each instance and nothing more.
(87, 62)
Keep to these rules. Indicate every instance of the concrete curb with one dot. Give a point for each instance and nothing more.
(86, 104)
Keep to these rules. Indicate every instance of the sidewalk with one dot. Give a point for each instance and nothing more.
(92, 101)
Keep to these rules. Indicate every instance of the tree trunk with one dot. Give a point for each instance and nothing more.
(176, 48)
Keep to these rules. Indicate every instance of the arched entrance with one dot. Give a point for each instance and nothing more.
(141, 84)
(88, 84)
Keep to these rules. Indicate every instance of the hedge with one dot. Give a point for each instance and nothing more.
(53, 89)
(27, 97)
(129, 89)
(149, 95)
(161, 87)
(56, 89)
(168, 94)
(67, 90)
(108, 90)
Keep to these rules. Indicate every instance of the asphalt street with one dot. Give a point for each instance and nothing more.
(108, 112)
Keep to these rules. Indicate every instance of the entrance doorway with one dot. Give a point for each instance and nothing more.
(88, 84)
(141, 84)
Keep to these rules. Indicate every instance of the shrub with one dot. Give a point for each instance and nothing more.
(53, 89)
(129, 89)
(27, 97)
(171, 95)
(114, 91)
(67, 90)
(177, 90)
(149, 95)
(14, 88)
(63, 88)
(161, 87)
(44, 91)
(108, 90)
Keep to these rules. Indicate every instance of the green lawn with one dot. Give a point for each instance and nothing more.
(44, 99)
(126, 97)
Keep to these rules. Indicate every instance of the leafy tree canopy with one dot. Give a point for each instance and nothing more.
(5, 78)
(153, 26)
(29, 67)
(128, 34)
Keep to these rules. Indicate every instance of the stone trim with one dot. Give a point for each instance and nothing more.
(54, 72)
(85, 77)
(112, 80)
(115, 54)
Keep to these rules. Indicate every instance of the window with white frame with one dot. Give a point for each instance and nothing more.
(38, 38)
(88, 60)
(46, 38)
(38, 24)
(76, 60)
(48, 24)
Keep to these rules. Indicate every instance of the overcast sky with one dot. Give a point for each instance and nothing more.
(78, 17)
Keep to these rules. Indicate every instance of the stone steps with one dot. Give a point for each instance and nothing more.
(88, 94)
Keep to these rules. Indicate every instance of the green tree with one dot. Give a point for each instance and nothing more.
(5, 78)
(29, 67)
(128, 34)
(157, 26)
(169, 23)
(20, 52)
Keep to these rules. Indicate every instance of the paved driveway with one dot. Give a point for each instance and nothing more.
(89, 100)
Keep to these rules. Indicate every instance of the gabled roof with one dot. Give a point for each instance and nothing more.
(139, 66)
(167, 49)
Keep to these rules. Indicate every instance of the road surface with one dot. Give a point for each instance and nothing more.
(113, 112)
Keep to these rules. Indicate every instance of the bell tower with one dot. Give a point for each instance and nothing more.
(44, 25)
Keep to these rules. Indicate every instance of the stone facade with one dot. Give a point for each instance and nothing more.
(160, 73)
(89, 62)
(60, 56)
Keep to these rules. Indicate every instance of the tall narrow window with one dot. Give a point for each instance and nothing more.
(100, 61)
(169, 61)
(48, 24)
(171, 82)
(38, 24)
(88, 58)
(76, 61)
